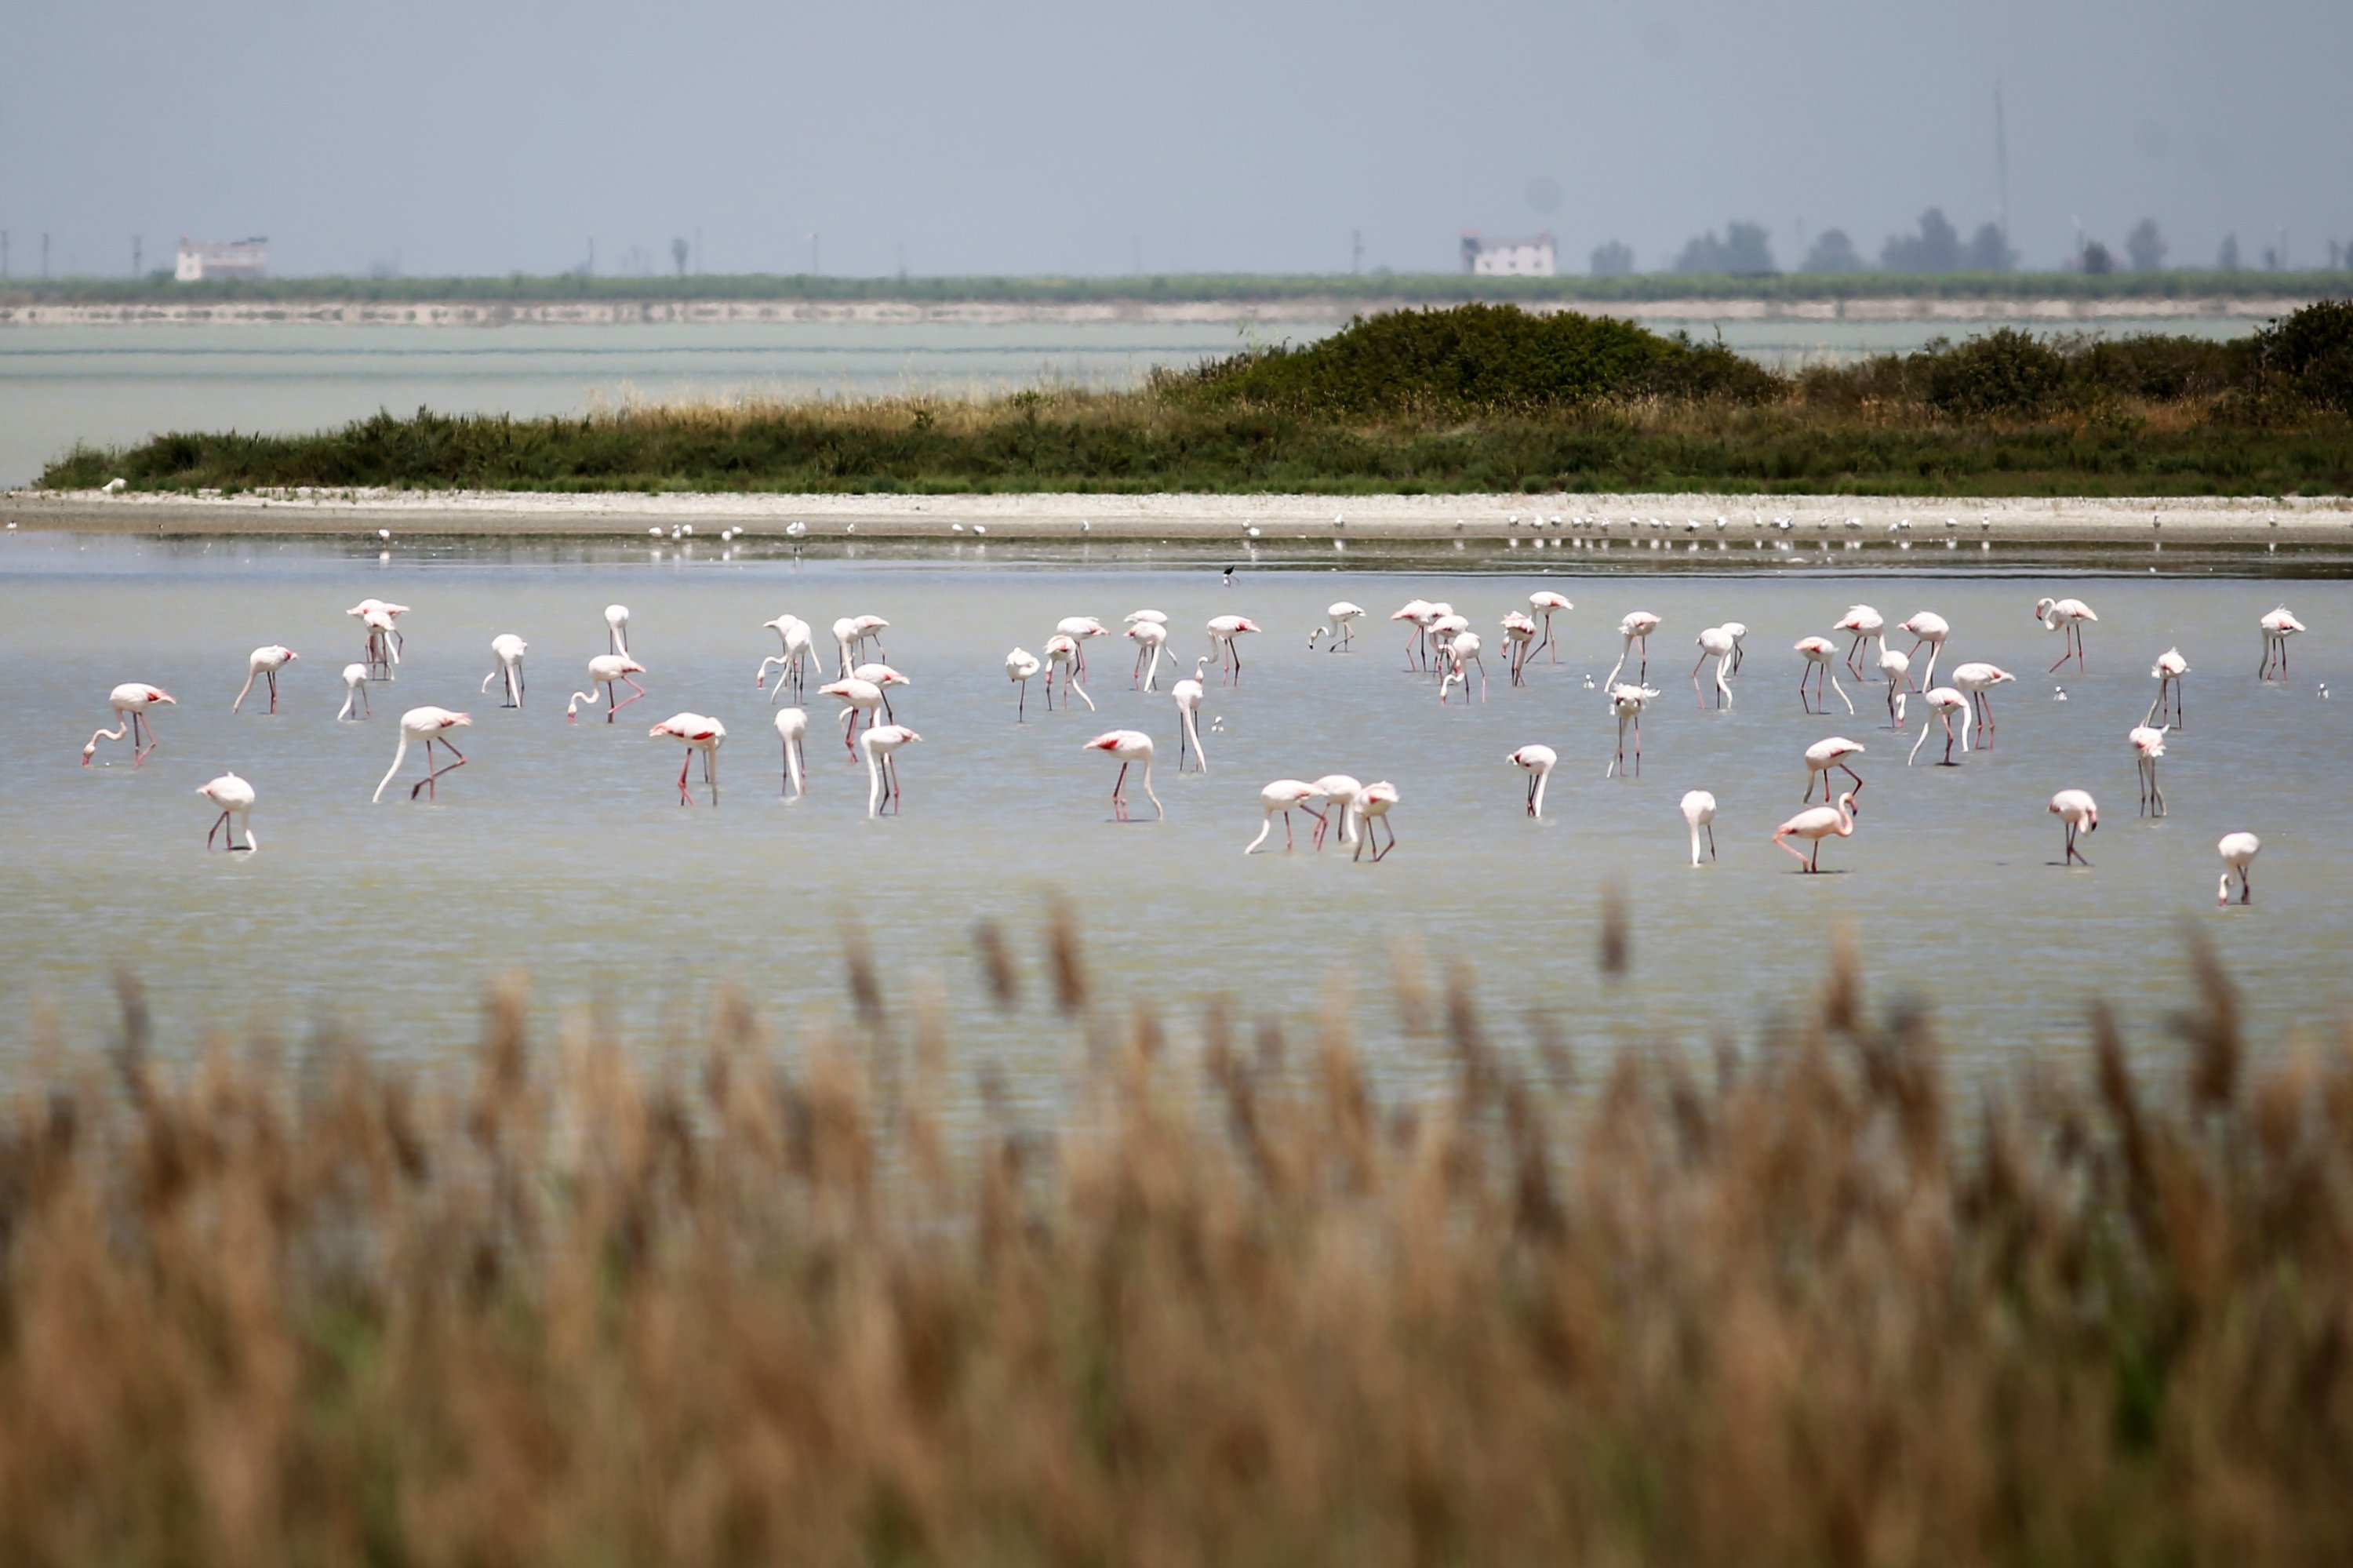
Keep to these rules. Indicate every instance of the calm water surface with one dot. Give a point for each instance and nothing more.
(112, 385)
(562, 848)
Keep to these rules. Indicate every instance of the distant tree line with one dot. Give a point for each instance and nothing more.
(1744, 249)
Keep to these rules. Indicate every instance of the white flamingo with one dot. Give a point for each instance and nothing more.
(264, 665)
(1699, 814)
(2081, 814)
(130, 702)
(1062, 654)
(2067, 616)
(506, 659)
(2148, 746)
(1895, 669)
(1865, 623)
(881, 743)
(1978, 680)
(1635, 627)
(1131, 746)
(1537, 762)
(1020, 665)
(1819, 653)
(1944, 701)
(355, 685)
(1151, 636)
(1627, 703)
(1543, 603)
(1340, 626)
(2238, 852)
(792, 728)
(2278, 626)
(1817, 823)
(799, 642)
(2167, 672)
(1373, 808)
(616, 628)
(1284, 795)
(1344, 792)
(1223, 630)
(431, 725)
(1825, 755)
(1715, 642)
(1186, 693)
(1462, 650)
(235, 798)
(1928, 631)
(609, 670)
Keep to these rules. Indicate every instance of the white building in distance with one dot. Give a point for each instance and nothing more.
(197, 260)
(1531, 257)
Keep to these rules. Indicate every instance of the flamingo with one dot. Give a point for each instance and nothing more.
(1895, 669)
(799, 642)
(1344, 792)
(881, 743)
(1131, 746)
(1627, 703)
(608, 670)
(1283, 796)
(616, 628)
(1977, 680)
(2148, 745)
(792, 725)
(1635, 627)
(383, 645)
(429, 725)
(884, 678)
(1865, 623)
(1816, 822)
(2081, 814)
(355, 683)
(1223, 630)
(852, 633)
(857, 697)
(1020, 665)
(1444, 628)
(506, 659)
(2167, 672)
(1373, 806)
(234, 796)
(1738, 632)
(1188, 694)
(2278, 626)
(265, 664)
(1519, 634)
(1462, 650)
(1537, 762)
(701, 733)
(1150, 637)
(1928, 631)
(1062, 653)
(2065, 616)
(1133, 616)
(1341, 617)
(1819, 651)
(1542, 602)
(1715, 642)
(2238, 852)
(1699, 811)
(130, 702)
(1825, 755)
(1081, 629)
(1944, 701)
(1420, 612)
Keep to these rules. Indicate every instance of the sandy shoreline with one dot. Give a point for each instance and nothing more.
(505, 515)
(972, 312)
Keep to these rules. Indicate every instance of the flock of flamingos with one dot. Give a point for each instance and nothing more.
(1440, 643)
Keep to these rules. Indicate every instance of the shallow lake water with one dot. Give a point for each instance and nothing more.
(113, 384)
(561, 849)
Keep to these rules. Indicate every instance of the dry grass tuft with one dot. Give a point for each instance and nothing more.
(1806, 1308)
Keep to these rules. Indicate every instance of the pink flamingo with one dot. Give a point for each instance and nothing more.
(1223, 630)
(881, 743)
(235, 798)
(609, 670)
(1082, 630)
(1151, 636)
(1543, 603)
(1928, 631)
(2238, 852)
(1825, 755)
(1062, 653)
(1373, 806)
(792, 725)
(130, 702)
(2065, 616)
(429, 725)
(1283, 795)
(2167, 672)
(1819, 652)
(703, 734)
(1462, 649)
(1628, 703)
(1420, 612)
(1977, 680)
(1131, 746)
(265, 664)
(2080, 814)
(1537, 762)
(1944, 701)
(1635, 627)
(2148, 746)
(857, 697)
(2278, 626)
(1865, 623)
(1816, 822)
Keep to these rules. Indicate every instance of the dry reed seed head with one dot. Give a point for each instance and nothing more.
(1416, 1000)
(131, 1049)
(865, 980)
(1465, 1033)
(2213, 1028)
(1616, 949)
(1843, 989)
(1065, 956)
(504, 1052)
(996, 966)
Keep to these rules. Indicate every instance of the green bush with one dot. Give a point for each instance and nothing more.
(2006, 372)
(2313, 352)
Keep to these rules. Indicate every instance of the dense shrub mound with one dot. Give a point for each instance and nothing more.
(1475, 359)
(2313, 351)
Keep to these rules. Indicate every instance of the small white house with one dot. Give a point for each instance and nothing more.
(1531, 257)
(197, 260)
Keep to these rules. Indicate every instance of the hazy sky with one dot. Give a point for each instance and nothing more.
(950, 136)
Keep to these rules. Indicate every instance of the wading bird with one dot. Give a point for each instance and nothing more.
(1062, 653)
(883, 678)
(1082, 630)
(355, 685)
(1186, 693)
(264, 665)
(1818, 654)
(1895, 669)
(1223, 630)
(1420, 612)
(506, 659)
(1928, 631)
(1537, 762)
(1542, 602)
(1020, 665)
(1865, 623)
(881, 743)
(1699, 814)
(1151, 636)
(1944, 701)
(792, 725)
(616, 628)
(234, 796)
(857, 697)
(2238, 852)
(2076, 808)
(1284, 795)
(429, 725)
(799, 640)
(130, 702)
(1978, 680)
(2065, 616)
(1344, 792)
(1717, 642)
(1816, 822)
(609, 670)
(1462, 650)
(2167, 672)
(1519, 636)
(2148, 746)
(1341, 617)
(1627, 703)
(1131, 746)
(382, 647)
(1373, 807)
(2278, 626)
(1826, 755)
(1635, 627)
(701, 733)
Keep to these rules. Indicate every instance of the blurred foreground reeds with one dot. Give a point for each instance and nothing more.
(1806, 1304)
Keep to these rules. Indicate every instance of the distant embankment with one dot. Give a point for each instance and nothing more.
(2052, 298)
